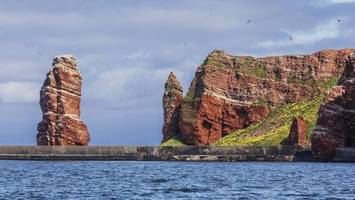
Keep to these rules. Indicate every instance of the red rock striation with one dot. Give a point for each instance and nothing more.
(298, 132)
(233, 92)
(171, 104)
(336, 117)
(60, 103)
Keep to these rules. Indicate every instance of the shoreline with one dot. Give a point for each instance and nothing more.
(278, 153)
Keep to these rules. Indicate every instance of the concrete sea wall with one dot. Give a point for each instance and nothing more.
(345, 155)
(155, 153)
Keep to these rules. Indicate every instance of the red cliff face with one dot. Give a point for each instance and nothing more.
(60, 103)
(171, 104)
(233, 92)
(336, 117)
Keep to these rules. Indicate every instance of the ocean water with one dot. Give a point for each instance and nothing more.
(175, 180)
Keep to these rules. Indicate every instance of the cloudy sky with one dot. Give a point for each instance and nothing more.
(126, 48)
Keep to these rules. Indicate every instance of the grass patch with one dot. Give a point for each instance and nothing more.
(259, 103)
(212, 62)
(190, 94)
(275, 128)
(188, 106)
(253, 68)
(247, 66)
(329, 83)
(323, 85)
(173, 142)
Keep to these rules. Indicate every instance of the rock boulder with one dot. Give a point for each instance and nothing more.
(298, 132)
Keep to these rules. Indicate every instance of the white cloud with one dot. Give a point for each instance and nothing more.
(37, 19)
(129, 85)
(330, 2)
(138, 55)
(329, 30)
(143, 17)
(185, 19)
(29, 70)
(111, 83)
(19, 92)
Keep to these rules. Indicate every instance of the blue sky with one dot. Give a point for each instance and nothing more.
(126, 49)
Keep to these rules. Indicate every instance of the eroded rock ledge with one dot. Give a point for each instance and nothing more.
(60, 103)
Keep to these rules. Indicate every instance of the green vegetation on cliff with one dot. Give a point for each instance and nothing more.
(275, 128)
(172, 142)
(253, 68)
(187, 108)
(272, 130)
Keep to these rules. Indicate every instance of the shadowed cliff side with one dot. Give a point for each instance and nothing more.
(336, 123)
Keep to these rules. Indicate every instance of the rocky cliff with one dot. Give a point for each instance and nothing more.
(172, 100)
(60, 103)
(230, 93)
(336, 123)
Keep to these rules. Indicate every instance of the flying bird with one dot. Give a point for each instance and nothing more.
(290, 38)
(249, 21)
(338, 20)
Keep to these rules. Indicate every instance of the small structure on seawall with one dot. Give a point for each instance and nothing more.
(336, 117)
(60, 103)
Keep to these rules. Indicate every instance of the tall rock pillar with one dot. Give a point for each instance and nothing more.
(60, 103)
(172, 99)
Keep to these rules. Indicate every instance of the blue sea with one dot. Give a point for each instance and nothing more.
(175, 180)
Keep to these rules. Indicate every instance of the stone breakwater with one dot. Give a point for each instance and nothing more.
(156, 153)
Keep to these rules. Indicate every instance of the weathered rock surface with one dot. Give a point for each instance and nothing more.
(172, 99)
(60, 103)
(298, 132)
(336, 117)
(233, 92)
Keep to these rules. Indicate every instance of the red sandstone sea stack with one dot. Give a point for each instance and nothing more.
(60, 103)
(171, 104)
